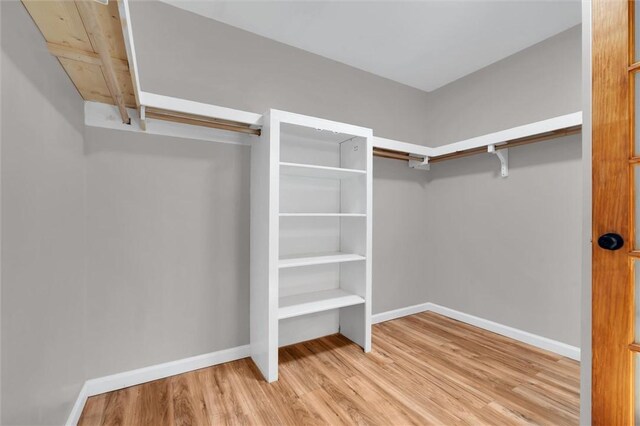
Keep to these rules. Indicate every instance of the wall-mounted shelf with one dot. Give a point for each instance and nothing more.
(319, 301)
(420, 156)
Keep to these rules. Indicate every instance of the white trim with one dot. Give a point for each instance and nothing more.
(76, 411)
(198, 108)
(320, 123)
(167, 369)
(97, 114)
(514, 333)
(411, 148)
(127, 35)
(541, 342)
(531, 129)
(399, 313)
(160, 371)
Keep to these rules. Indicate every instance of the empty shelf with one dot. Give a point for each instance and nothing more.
(323, 215)
(307, 170)
(318, 259)
(319, 301)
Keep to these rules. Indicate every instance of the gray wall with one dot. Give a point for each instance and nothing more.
(168, 248)
(43, 241)
(509, 250)
(400, 236)
(540, 82)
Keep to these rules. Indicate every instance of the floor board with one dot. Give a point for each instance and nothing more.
(424, 369)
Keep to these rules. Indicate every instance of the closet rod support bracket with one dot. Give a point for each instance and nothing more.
(420, 165)
(143, 117)
(503, 156)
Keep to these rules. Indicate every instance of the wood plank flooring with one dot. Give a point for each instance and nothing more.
(424, 369)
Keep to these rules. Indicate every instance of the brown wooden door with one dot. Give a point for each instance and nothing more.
(615, 162)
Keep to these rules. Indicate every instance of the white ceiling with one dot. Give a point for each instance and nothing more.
(424, 44)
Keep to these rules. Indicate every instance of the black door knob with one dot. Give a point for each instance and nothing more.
(611, 241)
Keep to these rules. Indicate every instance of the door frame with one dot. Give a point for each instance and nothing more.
(612, 209)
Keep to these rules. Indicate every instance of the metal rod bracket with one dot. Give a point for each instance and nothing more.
(420, 165)
(143, 117)
(503, 156)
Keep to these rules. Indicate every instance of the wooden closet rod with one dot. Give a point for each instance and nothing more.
(198, 120)
(166, 115)
(405, 156)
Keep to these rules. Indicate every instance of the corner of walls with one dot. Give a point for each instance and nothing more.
(506, 271)
(537, 83)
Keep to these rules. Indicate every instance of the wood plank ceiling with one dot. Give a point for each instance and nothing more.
(75, 32)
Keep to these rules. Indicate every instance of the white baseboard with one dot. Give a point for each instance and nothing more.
(504, 330)
(76, 411)
(399, 313)
(147, 374)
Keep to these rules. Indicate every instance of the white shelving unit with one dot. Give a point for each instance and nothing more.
(310, 234)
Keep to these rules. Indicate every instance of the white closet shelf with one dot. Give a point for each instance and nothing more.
(323, 215)
(319, 301)
(324, 172)
(318, 259)
(562, 125)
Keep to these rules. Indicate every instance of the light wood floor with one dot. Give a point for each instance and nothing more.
(424, 369)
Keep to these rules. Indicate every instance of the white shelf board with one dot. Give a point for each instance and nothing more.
(324, 172)
(531, 129)
(536, 128)
(198, 108)
(323, 215)
(318, 259)
(319, 301)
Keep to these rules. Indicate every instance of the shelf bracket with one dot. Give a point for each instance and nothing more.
(143, 117)
(420, 165)
(503, 156)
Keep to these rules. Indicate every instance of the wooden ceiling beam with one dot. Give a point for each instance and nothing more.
(87, 11)
(61, 51)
